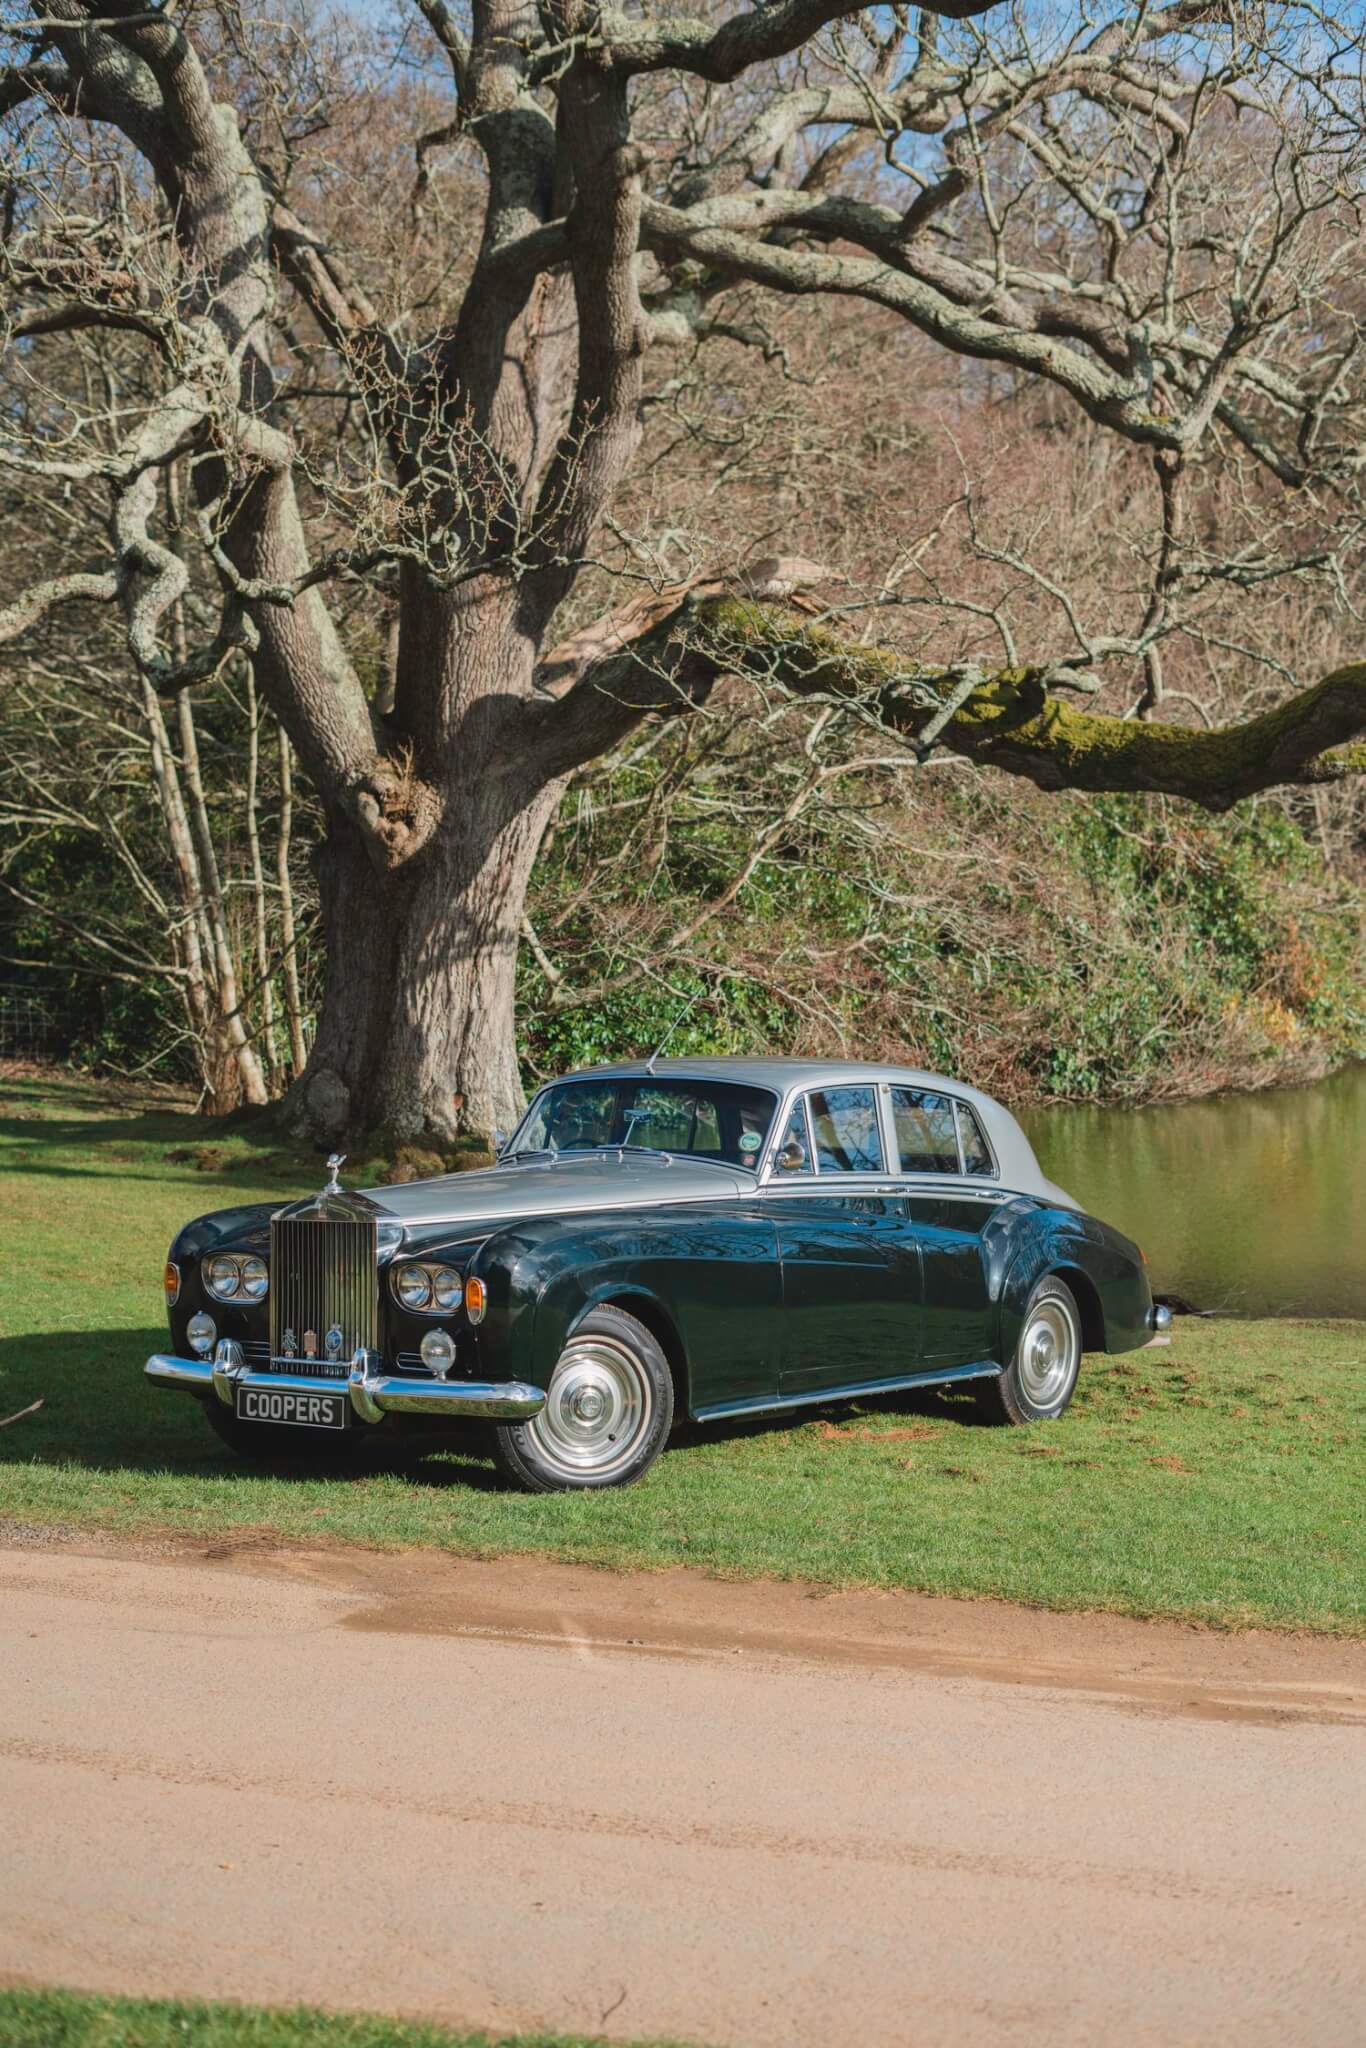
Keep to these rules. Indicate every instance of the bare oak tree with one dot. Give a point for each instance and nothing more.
(1154, 216)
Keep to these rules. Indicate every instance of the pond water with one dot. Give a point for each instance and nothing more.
(1252, 1204)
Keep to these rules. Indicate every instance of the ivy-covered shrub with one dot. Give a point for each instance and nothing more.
(1049, 948)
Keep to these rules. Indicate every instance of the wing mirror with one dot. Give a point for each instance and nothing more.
(500, 1141)
(792, 1157)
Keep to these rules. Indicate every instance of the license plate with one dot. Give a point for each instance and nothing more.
(283, 1404)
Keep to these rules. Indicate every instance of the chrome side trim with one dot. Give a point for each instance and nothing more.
(831, 1185)
(373, 1394)
(774, 1404)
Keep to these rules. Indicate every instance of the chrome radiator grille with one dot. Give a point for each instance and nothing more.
(323, 1276)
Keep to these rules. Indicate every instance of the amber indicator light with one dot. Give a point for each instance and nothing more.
(170, 1280)
(476, 1299)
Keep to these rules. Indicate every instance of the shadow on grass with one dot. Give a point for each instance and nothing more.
(98, 1412)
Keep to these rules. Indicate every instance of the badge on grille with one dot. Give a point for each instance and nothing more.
(289, 1344)
(334, 1341)
(310, 1343)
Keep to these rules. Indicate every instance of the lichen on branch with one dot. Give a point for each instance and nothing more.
(1010, 719)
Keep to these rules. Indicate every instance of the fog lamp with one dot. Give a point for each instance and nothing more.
(201, 1331)
(438, 1352)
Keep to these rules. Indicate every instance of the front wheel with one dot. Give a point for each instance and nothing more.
(1040, 1380)
(607, 1414)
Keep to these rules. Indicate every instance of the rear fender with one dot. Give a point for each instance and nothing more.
(1105, 1272)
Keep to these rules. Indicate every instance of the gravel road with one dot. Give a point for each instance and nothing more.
(520, 1795)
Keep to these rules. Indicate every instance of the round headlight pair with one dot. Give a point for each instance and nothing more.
(430, 1290)
(233, 1276)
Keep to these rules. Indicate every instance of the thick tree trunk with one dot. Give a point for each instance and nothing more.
(416, 1034)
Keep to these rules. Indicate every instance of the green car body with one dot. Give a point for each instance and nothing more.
(793, 1263)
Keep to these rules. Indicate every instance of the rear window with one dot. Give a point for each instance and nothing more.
(926, 1137)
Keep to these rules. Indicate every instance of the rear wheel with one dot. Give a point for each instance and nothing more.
(608, 1411)
(1040, 1380)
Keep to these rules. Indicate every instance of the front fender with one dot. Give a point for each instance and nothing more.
(706, 1277)
(539, 1295)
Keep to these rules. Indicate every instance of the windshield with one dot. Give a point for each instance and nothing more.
(720, 1120)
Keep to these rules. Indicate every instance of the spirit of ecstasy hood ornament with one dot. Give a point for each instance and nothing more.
(334, 1166)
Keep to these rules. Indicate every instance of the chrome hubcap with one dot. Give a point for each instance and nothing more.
(598, 1407)
(1050, 1351)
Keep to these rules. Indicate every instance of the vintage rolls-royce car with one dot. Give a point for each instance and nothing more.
(715, 1238)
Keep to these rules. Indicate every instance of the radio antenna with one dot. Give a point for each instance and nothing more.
(687, 1008)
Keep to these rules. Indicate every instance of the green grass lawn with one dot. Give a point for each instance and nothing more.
(1222, 1479)
(66, 2019)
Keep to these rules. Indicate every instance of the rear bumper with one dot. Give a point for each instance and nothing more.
(373, 1394)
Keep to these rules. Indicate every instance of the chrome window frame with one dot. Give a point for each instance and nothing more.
(770, 1173)
(962, 1109)
(934, 1173)
(935, 1176)
(813, 1175)
(844, 1174)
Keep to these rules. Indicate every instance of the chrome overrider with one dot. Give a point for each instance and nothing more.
(373, 1394)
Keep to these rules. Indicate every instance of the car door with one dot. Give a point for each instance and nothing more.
(947, 1217)
(850, 1268)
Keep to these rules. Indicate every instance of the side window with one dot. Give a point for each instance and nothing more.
(845, 1128)
(976, 1154)
(926, 1140)
(793, 1154)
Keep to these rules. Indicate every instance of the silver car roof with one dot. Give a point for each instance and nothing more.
(1018, 1168)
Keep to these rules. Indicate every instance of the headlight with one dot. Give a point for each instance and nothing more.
(447, 1286)
(412, 1286)
(223, 1278)
(255, 1278)
(236, 1276)
(427, 1290)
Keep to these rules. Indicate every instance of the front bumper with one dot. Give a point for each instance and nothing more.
(373, 1394)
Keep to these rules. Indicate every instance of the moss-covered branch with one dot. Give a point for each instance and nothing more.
(1011, 720)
